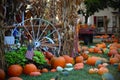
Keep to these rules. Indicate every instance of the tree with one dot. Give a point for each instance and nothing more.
(114, 4)
(92, 6)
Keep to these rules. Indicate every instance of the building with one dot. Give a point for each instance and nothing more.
(105, 20)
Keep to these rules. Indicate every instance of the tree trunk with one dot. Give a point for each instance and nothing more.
(86, 19)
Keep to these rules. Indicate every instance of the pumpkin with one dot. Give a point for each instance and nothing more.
(2, 74)
(78, 66)
(35, 74)
(47, 60)
(101, 45)
(85, 56)
(68, 59)
(103, 70)
(48, 55)
(58, 61)
(15, 78)
(93, 70)
(85, 26)
(44, 70)
(93, 26)
(100, 65)
(15, 70)
(113, 48)
(28, 68)
(92, 60)
(114, 60)
(112, 52)
(96, 49)
(79, 59)
(91, 50)
(53, 70)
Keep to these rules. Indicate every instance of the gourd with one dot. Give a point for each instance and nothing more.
(68, 67)
(78, 66)
(93, 70)
(59, 69)
(53, 70)
(15, 78)
(114, 60)
(30, 68)
(2, 74)
(103, 70)
(15, 70)
(112, 52)
(44, 70)
(98, 62)
(107, 76)
(35, 74)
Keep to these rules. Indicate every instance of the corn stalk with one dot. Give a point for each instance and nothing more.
(2, 50)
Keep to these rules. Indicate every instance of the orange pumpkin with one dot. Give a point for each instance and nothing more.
(47, 60)
(2, 74)
(15, 70)
(30, 68)
(93, 70)
(93, 26)
(78, 66)
(114, 60)
(100, 52)
(35, 74)
(85, 55)
(100, 65)
(79, 59)
(101, 45)
(103, 70)
(44, 70)
(112, 52)
(58, 61)
(91, 50)
(92, 60)
(85, 26)
(96, 49)
(48, 55)
(53, 70)
(15, 78)
(68, 59)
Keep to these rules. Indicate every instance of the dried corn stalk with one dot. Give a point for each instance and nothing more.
(2, 50)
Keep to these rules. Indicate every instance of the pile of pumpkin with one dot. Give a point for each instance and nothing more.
(59, 63)
(112, 51)
(107, 38)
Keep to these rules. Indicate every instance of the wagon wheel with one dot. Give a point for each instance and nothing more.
(42, 33)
